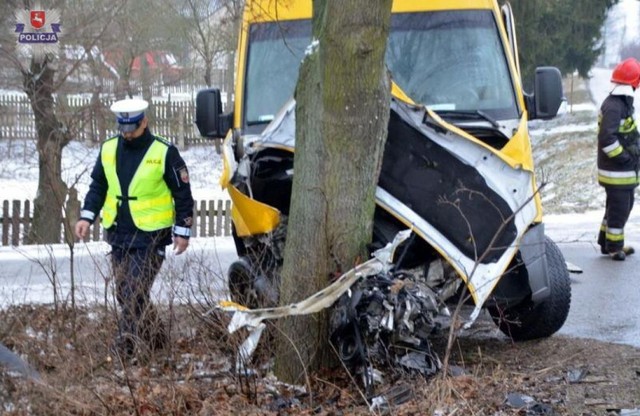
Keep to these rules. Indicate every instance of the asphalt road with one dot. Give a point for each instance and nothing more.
(605, 298)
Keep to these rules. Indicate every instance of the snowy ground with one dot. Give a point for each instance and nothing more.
(19, 169)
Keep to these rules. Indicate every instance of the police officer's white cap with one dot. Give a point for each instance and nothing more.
(129, 113)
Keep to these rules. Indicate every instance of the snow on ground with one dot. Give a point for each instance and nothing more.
(19, 169)
(40, 274)
(621, 28)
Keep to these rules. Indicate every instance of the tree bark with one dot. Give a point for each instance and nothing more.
(343, 98)
(52, 138)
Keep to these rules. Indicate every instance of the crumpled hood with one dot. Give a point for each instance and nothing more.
(463, 197)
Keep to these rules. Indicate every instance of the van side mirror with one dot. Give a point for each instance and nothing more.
(547, 95)
(209, 118)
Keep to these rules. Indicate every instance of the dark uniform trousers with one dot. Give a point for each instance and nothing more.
(135, 270)
(617, 210)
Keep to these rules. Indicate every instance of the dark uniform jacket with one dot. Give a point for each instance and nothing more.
(617, 143)
(129, 155)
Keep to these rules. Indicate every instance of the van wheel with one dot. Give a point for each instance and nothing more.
(249, 287)
(527, 321)
(241, 277)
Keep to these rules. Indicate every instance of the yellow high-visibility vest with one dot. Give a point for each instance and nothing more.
(149, 197)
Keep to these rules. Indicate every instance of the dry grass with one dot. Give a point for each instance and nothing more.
(195, 376)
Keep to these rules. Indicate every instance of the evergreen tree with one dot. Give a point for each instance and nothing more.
(560, 33)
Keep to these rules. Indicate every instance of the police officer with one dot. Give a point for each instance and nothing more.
(618, 157)
(141, 184)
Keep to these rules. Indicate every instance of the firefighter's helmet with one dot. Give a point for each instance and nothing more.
(627, 72)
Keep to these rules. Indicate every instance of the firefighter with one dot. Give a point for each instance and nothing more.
(141, 184)
(618, 158)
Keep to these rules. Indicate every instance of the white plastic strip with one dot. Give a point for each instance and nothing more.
(252, 318)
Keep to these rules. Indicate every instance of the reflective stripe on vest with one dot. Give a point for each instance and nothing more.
(608, 177)
(149, 197)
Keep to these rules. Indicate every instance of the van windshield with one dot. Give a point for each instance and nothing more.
(450, 60)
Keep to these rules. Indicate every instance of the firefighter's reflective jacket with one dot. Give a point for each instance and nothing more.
(618, 151)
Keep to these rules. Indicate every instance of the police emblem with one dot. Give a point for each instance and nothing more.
(37, 18)
(38, 31)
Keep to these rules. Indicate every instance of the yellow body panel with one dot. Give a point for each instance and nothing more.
(251, 217)
(397, 92)
(519, 151)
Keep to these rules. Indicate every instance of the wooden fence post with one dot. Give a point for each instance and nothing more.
(227, 217)
(219, 219)
(203, 219)
(26, 218)
(5, 223)
(15, 223)
(96, 227)
(212, 215)
(181, 130)
(194, 220)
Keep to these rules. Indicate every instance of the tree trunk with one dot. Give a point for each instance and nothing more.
(343, 98)
(52, 138)
(207, 73)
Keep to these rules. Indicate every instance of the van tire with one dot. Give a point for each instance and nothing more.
(240, 280)
(527, 321)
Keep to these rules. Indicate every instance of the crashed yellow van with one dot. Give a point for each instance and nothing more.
(457, 168)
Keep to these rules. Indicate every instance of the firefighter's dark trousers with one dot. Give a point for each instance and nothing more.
(618, 207)
(134, 272)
